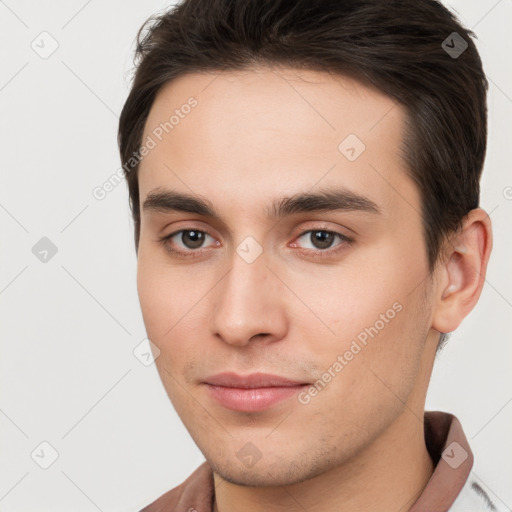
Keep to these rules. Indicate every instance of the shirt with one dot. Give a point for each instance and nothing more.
(452, 486)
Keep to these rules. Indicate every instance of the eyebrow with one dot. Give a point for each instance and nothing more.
(162, 201)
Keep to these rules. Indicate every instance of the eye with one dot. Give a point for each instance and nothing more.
(189, 242)
(186, 240)
(322, 240)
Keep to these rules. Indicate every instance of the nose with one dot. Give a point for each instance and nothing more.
(249, 304)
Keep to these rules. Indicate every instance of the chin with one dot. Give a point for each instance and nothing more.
(269, 474)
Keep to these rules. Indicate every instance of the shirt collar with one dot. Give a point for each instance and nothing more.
(449, 449)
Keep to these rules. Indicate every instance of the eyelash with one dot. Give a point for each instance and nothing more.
(318, 253)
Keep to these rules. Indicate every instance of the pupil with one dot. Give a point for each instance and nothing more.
(322, 239)
(197, 239)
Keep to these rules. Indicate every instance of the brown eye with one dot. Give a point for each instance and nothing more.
(186, 241)
(322, 239)
(192, 239)
(321, 243)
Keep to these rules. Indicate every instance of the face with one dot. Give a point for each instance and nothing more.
(302, 257)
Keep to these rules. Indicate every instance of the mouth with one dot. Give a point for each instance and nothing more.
(251, 393)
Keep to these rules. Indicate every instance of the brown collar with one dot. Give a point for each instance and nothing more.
(453, 459)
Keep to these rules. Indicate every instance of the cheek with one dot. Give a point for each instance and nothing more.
(373, 316)
(349, 298)
(174, 309)
(151, 296)
(157, 287)
(162, 310)
(369, 369)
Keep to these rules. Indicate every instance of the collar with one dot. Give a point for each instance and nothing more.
(449, 450)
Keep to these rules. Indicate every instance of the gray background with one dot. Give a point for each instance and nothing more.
(69, 325)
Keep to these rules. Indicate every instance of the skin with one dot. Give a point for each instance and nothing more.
(264, 134)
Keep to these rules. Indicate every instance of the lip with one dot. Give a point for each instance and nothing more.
(251, 393)
(254, 380)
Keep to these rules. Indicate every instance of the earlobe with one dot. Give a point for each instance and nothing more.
(463, 273)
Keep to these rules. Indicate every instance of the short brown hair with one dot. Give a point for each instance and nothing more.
(397, 46)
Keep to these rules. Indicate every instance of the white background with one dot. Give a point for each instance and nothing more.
(69, 326)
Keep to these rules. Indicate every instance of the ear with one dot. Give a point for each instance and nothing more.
(461, 273)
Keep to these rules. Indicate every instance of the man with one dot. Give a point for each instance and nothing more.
(304, 183)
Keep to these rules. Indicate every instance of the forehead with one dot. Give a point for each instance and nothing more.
(263, 130)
